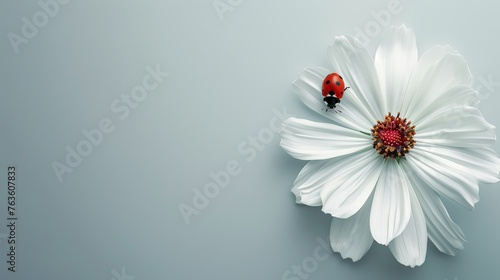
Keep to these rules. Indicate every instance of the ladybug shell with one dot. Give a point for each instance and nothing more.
(333, 84)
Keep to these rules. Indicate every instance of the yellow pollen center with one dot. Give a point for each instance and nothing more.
(393, 137)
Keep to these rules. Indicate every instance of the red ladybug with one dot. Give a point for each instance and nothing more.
(333, 89)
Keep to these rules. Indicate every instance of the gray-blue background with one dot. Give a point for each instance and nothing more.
(116, 215)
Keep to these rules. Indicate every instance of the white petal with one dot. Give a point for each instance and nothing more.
(457, 96)
(308, 140)
(391, 204)
(395, 60)
(410, 247)
(352, 61)
(351, 237)
(456, 127)
(352, 184)
(483, 163)
(442, 231)
(311, 179)
(447, 178)
(438, 70)
(308, 87)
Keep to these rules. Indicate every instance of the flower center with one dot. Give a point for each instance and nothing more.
(393, 137)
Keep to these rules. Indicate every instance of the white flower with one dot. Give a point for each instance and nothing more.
(384, 180)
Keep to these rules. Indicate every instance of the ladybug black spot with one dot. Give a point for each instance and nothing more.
(327, 82)
(331, 92)
(337, 83)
